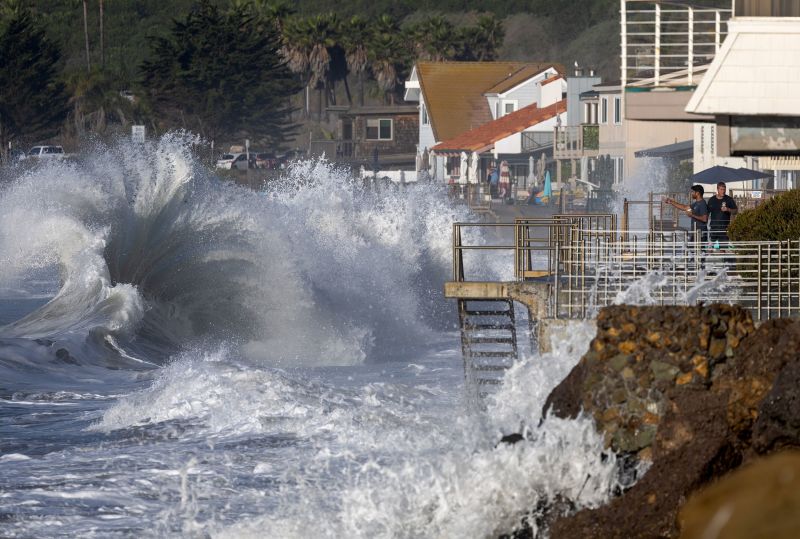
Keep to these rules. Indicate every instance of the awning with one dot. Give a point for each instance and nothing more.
(677, 150)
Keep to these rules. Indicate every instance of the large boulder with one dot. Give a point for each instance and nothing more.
(638, 355)
(694, 391)
(693, 445)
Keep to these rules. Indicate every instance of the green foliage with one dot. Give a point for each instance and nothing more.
(219, 74)
(774, 220)
(33, 103)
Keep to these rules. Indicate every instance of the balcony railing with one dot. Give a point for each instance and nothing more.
(573, 142)
(532, 141)
(664, 43)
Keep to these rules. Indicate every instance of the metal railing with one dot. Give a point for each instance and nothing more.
(532, 140)
(576, 141)
(589, 263)
(665, 42)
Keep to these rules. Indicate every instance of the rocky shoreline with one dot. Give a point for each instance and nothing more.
(690, 394)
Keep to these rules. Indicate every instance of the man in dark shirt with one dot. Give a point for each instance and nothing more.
(697, 211)
(721, 208)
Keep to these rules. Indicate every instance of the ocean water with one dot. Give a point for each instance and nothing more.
(182, 357)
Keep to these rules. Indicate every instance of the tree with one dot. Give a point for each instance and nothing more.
(484, 39)
(323, 35)
(387, 54)
(33, 103)
(296, 51)
(86, 35)
(356, 37)
(219, 74)
(434, 39)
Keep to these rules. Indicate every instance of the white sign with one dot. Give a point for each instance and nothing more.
(137, 133)
(756, 194)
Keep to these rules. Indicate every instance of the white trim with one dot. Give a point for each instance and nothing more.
(379, 120)
(505, 102)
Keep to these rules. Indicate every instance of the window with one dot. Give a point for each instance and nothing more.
(617, 110)
(379, 129)
(711, 130)
(508, 108)
(702, 139)
(604, 110)
(425, 120)
(619, 169)
(454, 166)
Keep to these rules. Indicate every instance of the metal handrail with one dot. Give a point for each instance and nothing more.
(591, 267)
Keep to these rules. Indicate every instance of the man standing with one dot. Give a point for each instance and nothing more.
(697, 211)
(721, 208)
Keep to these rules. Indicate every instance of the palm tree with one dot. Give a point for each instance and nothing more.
(386, 54)
(277, 11)
(86, 35)
(488, 37)
(434, 39)
(296, 51)
(356, 37)
(323, 32)
(102, 47)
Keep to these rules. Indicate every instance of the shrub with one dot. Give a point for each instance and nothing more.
(776, 219)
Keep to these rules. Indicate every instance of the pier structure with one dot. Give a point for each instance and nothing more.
(568, 266)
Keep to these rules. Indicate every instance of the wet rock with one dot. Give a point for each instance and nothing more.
(778, 423)
(638, 355)
(511, 439)
(709, 393)
(692, 446)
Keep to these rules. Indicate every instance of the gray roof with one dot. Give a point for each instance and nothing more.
(676, 150)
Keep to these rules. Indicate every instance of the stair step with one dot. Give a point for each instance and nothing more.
(491, 353)
(492, 340)
(487, 368)
(470, 327)
(473, 312)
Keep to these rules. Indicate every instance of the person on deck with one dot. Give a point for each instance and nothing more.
(721, 208)
(494, 181)
(697, 211)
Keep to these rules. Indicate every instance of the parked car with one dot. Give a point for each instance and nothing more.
(291, 155)
(45, 152)
(266, 160)
(230, 161)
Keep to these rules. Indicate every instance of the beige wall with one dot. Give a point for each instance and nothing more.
(645, 134)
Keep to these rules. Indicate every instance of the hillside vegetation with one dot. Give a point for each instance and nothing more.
(352, 51)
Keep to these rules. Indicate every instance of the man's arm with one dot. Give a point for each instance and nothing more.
(671, 202)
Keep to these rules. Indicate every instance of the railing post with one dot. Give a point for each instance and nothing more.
(657, 49)
(623, 23)
(758, 286)
(690, 67)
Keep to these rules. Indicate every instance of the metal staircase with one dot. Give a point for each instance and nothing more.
(488, 343)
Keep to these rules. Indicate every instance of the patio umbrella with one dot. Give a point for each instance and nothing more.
(542, 167)
(543, 197)
(473, 167)
(548, 188)
(750, 174)
(716, 174)
(531, 175)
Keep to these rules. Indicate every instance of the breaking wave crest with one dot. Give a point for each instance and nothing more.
(153, 253)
